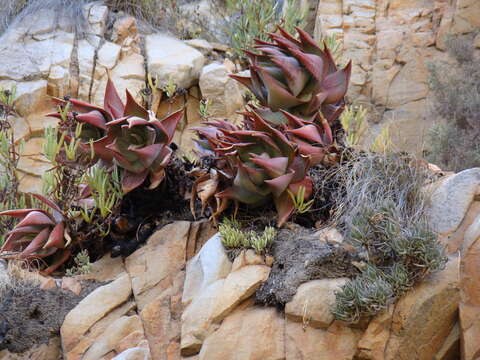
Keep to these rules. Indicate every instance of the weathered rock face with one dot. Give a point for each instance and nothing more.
(390, 43)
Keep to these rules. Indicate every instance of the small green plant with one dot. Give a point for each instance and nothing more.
(354, 122)
(82, 264)
(299, 203)
(250, 20)
(204, 108)
(170, 88)
(383, 141)
(233, 237)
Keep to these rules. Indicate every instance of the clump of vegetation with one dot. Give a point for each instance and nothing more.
(354, 123)
(380, 206)
(453, 144)
(82, 264)
(233, 237)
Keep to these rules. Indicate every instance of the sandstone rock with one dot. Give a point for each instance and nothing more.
(336, 342)
(97, 17)
(50, 351)
(161, 319)
(451, 347)
(161, 257)
(208, 266)
(247, 257)
(86, 55)
(313, 302)
(92, 308)
(420, 321)
(71, 284)
(112, 336)
(105, 269)
(465, 19)
(108, 55)
(331, 235)
(238, 286)
(30, 95)
(223, 92)
(451, 199)
(130, 341)
(135, 353)
(470, 292)
(254, 333)
(203, 45)
(170, 58)
(197, 318)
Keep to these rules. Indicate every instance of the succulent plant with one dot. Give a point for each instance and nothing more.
(297, 76)
(38, 234)
(141, 147)
(261, 163)
(126, 133)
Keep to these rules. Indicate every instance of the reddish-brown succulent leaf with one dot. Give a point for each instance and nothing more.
(60, 258)
(308, 43)
(284, 205)
(56, 237)
(49, 203)
(132, 108)
(280, 184)
(132, 180)
(245, 80)
(112, 101)
(94, 118)
(296, 77)
(19, 213)
(35, 218)
(274, 167)
(37, 242)
(336, 84)
(309, 132)
(147, 154)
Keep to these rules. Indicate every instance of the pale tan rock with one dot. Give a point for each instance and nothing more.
(208, 266)
(222, 91)
(163, 256)
(451, 347)
(97, 330)
(112, 336)
(105, 269)
(254, 333)
(198, 316)
(92, 308)
(133, 339)
(331, 235)
(161, 316)
(108, 55)
(470, 292)
(451, 199)
(47, 283)
(336, 342)
(71, 284)
(238, 286)
(136, 353)
(314, 301)
(50, 351)
(420, 322)
(247, 257)
(200, 44)
(30, 95)
(170, 58)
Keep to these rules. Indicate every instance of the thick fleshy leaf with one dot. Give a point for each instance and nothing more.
(57, 212)
(20, 213)
(313, 63)
(306, 183)
(60, 258)
(280, 184)
(94, 118)
(274, 167)
(336, 84)
(290, 43)
(244, 80)
(147, 154)
(112, 101)
(132, 180)
(132, 108)
(156, 178)
(293, 72)
(278, 96)
(310, 132)
(284, 205)
(37, 242)
(308, 43)
(36, 218)
(56, 238)
(170, 123)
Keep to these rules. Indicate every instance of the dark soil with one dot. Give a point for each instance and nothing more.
(30, 316)
(300, 257)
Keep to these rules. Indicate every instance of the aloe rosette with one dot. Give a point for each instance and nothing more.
(38, 234)
(297, 76)
(263, 164)
(141, 147)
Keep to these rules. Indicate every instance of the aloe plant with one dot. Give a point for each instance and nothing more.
(38, 234)
(261, 163)
(126, 133)
(297, 76)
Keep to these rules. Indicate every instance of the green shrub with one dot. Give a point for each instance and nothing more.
(82, 264)
(381, 209)
(453, 144)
